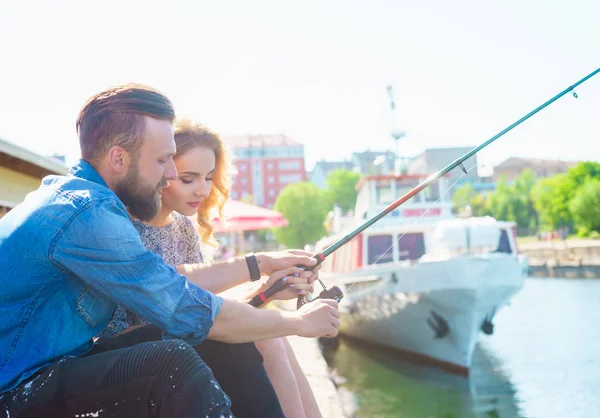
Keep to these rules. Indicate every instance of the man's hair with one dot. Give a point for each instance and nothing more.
(115, 116)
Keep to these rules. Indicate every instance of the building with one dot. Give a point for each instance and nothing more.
(434, 159)
(512, 167)
(366, 162)
(266, 164)
(21, 172)
(373, 162)
(321, 170)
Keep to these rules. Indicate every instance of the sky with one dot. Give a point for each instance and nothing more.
(315, 71)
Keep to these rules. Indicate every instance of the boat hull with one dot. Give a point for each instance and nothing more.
(433, 310)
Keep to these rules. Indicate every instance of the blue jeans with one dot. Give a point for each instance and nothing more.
(150, 379)
(238, 368)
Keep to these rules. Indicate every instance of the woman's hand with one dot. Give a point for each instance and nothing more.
(271, 262)
(297, 279)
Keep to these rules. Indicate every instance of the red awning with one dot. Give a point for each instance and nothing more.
(241, 216)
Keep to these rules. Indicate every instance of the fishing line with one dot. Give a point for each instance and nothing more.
(335, 292)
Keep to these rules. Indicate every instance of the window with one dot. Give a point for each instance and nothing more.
(289, 178)
(379, 249)
(270, 166)
(233, 194)
(243, 167)
(503, 243)
(404, 186)
(411, 246)
(271, 179)
(271, 193)
(242, 153)
(244, 180)
(289, 165)
(384, 193)
(432, 193)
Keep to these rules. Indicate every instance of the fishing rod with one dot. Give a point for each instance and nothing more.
(335, 292)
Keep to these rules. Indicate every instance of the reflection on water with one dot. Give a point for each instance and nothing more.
(388, 385)
(542, 361)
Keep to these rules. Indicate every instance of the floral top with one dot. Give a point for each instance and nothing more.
(177, 243)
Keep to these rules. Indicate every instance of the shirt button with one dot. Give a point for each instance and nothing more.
(205, 298)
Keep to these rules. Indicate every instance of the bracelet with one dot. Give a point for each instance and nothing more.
(252, 267)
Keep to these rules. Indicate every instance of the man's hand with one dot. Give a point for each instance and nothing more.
(319, 318)
(269, 262)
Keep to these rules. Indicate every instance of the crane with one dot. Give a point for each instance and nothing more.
(396, 133)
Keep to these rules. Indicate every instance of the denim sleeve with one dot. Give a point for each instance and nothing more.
(101, 247)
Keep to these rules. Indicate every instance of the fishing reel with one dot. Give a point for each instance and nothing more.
(333, 292)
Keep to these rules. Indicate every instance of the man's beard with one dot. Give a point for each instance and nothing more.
(142, 200)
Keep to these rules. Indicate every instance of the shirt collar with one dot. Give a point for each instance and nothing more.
(84, 170)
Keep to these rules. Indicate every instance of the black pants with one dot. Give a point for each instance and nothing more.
(140, 375)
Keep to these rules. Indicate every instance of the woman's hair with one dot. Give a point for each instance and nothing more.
(188, 135)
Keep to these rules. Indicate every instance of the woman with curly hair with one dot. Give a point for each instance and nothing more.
(205, 171)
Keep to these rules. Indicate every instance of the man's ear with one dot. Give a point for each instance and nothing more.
(119, 159)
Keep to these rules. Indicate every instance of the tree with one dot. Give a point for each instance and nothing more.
(582, 172)
(305, 206)
(248, 199)
(551, 199)
(498, 203)
(341, 188)
(553, 195)
(585, 205)
(523, 209)
(463, 196)
(510, 202)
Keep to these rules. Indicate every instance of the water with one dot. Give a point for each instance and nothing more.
(543, 360)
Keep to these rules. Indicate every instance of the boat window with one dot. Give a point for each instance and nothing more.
(384, 192)
(411, 246)
(380, 249)
(404, 186)
(503, 243)
(432, 193)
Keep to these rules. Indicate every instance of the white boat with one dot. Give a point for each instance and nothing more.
(421, 280)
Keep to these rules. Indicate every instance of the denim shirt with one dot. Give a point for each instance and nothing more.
(69, 254)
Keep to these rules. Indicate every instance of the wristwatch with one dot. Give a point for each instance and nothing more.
(252, 262)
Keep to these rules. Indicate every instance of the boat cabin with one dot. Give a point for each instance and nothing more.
(423, 228)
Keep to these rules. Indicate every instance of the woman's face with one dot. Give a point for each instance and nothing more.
(195, 168)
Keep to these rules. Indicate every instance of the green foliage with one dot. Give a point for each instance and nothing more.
(523, 209)
(499, 202)
(341, 188)
(569, 199)
(305, 206)
(508, 202)
(552, 196)
(585, 205)
(583, 172)
(583, 232)
(478, 206)
(514, 202)
(551, 199)
(248, 199)
(463, 196)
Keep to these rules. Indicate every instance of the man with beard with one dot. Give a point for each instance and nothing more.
(70, 254)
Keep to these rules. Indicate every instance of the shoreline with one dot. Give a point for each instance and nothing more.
(572, 258)
(314, 366)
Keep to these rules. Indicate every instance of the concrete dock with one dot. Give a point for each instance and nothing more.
(314, 366)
